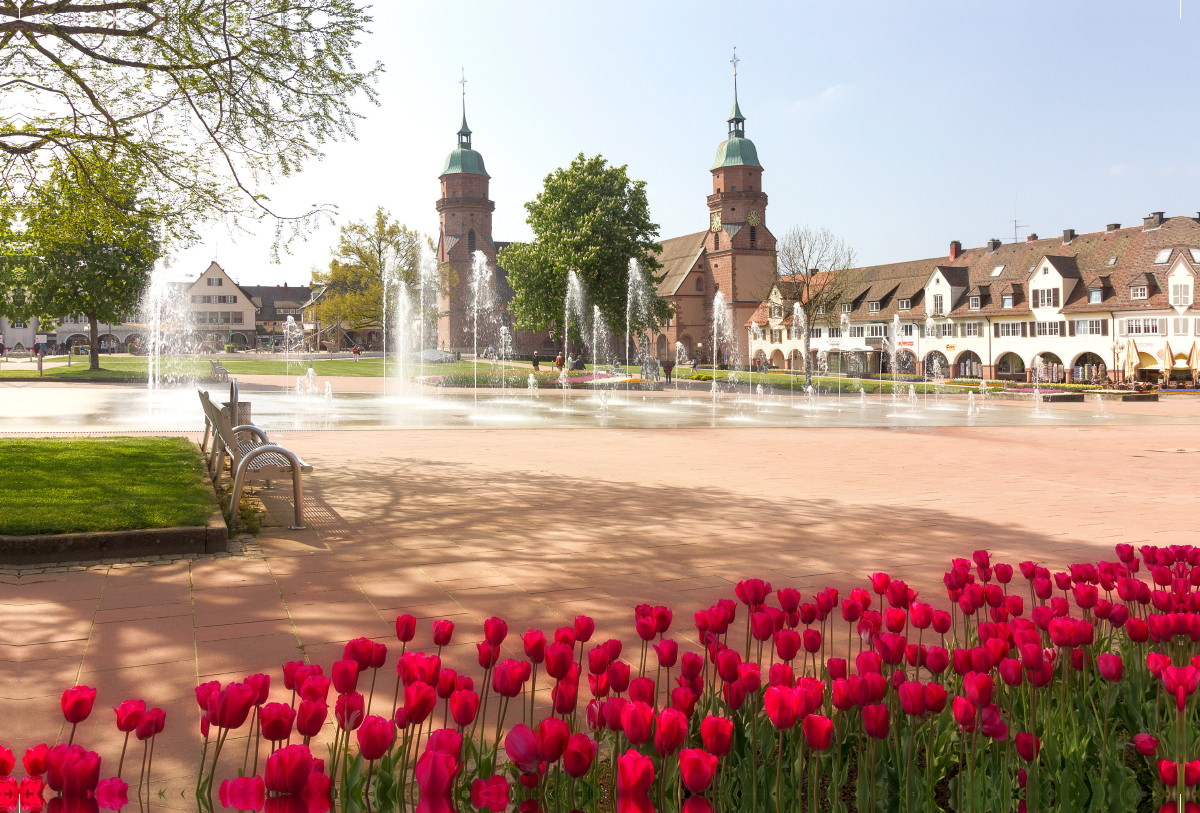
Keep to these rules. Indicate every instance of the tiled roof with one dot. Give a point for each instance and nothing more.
(269, 298)
(678, 255)
(1085, 258)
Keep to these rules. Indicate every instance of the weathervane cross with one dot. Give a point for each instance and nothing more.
(734, 62)
(463, 82)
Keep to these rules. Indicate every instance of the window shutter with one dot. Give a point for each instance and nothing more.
(1121, 329)
(1062, 329)
(1198, 327)
(233, 299)
(996, 328)
(1162, 327)
(1024, 330)
(1103, 327)
(1071, 327)
(1055, 297)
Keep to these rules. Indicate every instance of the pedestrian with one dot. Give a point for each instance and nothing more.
(668, 367)
(695, 363)
(558, 362)
(354, 352)
(535, 361)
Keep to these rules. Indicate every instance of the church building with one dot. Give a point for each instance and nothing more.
(734, 255)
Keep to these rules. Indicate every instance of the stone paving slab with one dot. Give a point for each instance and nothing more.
(538, 526)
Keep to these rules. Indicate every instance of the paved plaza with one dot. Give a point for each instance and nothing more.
(539, 526)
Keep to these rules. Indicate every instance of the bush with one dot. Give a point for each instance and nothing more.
(230, 348)
(701, 377)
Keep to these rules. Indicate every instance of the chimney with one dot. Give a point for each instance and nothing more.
(1068, 235)
(1113, 227)
(955, 250)
(993, 245)
(285, 285)
(1153, 221)
(1031, 237)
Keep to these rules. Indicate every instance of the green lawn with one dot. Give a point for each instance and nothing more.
(100, 484)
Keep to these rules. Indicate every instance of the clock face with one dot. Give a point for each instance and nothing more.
(753, 219)
(716, 221)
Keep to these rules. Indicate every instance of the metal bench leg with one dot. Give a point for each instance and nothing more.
(298, 499)
(204, 443)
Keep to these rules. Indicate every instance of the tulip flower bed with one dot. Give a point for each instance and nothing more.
(1069, 691)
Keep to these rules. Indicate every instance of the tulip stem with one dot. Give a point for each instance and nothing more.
(72, 737)
(249, 736)
(121, 764)
(149, 769)
(371, 694)
(367, 787)
(779, 775)
(532, 695)
(142, 775)
(751, 714)
(222, 733)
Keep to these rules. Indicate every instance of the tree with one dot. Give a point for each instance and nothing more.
(813, 268)
(210, 99)
(592, 219)
(366, 253)
(85, 251)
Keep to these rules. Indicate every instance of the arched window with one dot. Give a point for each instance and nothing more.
(716, 241)
(471, 241)
(699, 283)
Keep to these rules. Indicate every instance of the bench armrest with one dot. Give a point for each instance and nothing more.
(252, 429)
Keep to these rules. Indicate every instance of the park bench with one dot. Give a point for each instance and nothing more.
(218, 370)
(252, 455)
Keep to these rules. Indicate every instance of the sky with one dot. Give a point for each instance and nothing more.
(898, 126)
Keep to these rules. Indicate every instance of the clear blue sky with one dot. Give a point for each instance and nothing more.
(900, 126)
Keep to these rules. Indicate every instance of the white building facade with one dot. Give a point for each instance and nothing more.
(1109, 304)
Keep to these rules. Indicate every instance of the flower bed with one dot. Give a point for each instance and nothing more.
(1072, 691)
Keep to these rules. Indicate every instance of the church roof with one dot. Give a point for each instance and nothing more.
(678, 257)
(466, 161)
(736, 152)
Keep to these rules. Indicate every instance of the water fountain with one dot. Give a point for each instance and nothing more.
(893, 349)
(983, 394)
(1039, 368)
(722, 339)
(810, 399)
(428, 268)
(402, 335)
(293, 344)
(1101, 410)
(482, 291)
(972, 410)
(503, 354)
(680, 358)
(169, 322)
(531, 387)
(912, 399)
(573, 305)
(306, 385)
(637, 312)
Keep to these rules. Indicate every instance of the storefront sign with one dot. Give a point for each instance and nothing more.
(907, 344)
(949, 347)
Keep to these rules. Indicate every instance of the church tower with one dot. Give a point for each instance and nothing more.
(464, 227)
(740, 247)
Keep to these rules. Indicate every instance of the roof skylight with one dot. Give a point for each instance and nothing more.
(997, 270)
(1112, 260)
(1163, 256)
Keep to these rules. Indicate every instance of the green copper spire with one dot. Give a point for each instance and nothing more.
(464, 159)
(737, 150)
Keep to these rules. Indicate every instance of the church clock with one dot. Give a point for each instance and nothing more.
(753, 219)
(716, 221)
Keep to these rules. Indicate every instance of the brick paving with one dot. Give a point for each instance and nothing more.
(538, 526)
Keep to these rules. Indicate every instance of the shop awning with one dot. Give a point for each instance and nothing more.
(1132, 358)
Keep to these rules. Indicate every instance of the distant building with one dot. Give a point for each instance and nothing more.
(222, 311)
(1080, 306)
(273, 304)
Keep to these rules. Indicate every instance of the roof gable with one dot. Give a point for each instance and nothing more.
(678, 257)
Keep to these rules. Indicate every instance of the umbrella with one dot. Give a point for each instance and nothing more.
(1168, 361)
(1193, 361)
(1132, 360)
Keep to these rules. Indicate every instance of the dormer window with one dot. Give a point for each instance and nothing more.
(820, 309)
(1006, 301)
(974, 303)
(1181, 294)
(904, 304)
(1163, 256)
(1195, 252)
(776, 311)
(1095, 296)
(1137, 292)
(873, 307)
(846, 308)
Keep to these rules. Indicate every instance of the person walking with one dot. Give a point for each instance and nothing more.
(354, 352)
(535, 361)
(668, 367)
(558, 361)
